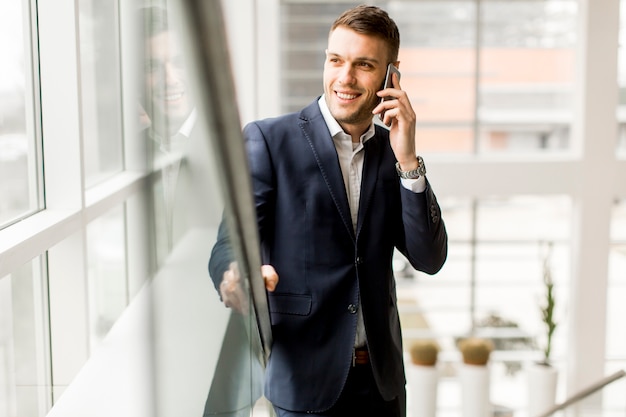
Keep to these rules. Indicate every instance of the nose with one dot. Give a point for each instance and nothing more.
(171, 73)
(346, 75)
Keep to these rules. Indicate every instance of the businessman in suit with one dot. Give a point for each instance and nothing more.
(335, 195)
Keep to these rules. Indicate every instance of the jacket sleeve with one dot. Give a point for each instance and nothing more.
(221, 255)
(425, 240)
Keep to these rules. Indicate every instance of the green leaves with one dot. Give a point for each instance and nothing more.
(547, 309)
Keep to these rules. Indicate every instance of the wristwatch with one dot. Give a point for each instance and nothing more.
(414, 173)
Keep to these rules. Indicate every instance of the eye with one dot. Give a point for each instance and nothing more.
(153, 66)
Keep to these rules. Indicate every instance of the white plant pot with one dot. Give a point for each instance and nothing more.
(423, 383)
(475, 387)
(542, 381)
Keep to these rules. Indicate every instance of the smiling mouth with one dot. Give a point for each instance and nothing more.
(345, 96)
(173, 96)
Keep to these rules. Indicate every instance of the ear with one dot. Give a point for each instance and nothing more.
(396, 64)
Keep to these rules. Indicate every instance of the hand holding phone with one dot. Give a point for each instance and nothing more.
(388, 83)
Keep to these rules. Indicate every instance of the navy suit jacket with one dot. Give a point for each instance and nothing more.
(326, 270)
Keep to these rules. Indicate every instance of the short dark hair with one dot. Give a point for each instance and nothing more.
(153, 20)
(373, 21)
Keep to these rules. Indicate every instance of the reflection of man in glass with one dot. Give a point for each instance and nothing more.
(185, 203)
(169, 114)
(168, 101)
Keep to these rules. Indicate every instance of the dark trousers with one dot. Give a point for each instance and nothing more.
(359, 398)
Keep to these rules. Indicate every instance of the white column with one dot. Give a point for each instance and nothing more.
(595, 132)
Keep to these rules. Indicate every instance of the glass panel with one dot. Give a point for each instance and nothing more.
(526, 75)
(437, 61)
(530, 218)
(616, 309)
(24, 343)
(101, 88)
(493, 284)
(304, 31)
(515, 237)
(107, 272)
(205, 355)
(521, 106)
(621, 76)
(19, 144)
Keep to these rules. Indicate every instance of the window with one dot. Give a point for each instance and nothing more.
(101, 89)
(621, 75)
(616, 346)
(492, 284)
(106, 259)
(24, 343)
(465, 65)
(526, 75)
(20, 150)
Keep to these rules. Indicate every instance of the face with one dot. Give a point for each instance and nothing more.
(166, 81)
(354, 70)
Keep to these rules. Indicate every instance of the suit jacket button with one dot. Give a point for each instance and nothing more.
(352, 308)
(359, 260)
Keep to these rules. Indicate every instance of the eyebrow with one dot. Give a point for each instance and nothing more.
(357, 59)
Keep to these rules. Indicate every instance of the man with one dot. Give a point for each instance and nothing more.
(331, 207)
(174, 136)
(166, 95)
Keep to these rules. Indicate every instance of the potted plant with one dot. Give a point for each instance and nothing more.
(424, 352)
(547, 310)
(474, 376)
(423, 377)
(475, 350)
(542, 376)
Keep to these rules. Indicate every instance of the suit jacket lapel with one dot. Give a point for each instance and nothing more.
(317, 135)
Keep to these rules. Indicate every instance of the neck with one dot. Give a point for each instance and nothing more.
(355, 131)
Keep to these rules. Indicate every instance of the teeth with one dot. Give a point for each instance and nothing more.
(346, 96)
(171, 97)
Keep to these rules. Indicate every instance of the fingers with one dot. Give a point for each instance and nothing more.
(396, 104)
(397, 113)
(270, 277)
(232, 291)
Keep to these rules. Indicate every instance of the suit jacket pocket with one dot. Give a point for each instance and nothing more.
(295, 304)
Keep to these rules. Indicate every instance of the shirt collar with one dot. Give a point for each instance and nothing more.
(184, 130)
(188, 125)
(333, 126)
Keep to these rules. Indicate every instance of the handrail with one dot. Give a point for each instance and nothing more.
(584, 393)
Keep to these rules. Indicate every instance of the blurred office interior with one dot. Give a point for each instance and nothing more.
(121, 152)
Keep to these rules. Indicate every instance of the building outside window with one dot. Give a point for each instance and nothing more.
(101, 89)
(21, 186)
(466, 67)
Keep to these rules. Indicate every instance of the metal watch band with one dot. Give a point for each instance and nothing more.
(414, 173)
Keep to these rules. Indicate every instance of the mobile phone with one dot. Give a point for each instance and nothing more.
(391, 69)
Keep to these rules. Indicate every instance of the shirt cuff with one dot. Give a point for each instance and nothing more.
(417, 185)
